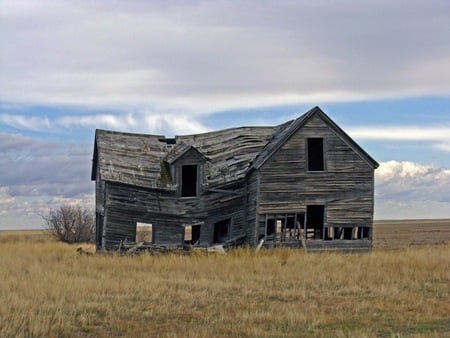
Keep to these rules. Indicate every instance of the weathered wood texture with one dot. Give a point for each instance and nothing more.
(344, 187)
(135, 159)
(252, 206)
(243, 175)
(126, 205)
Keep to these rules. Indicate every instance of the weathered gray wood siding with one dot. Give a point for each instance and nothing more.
(192, 157)
(167, 212)
(252, 206)
(345, 187)
(222, 206)
(99, 209)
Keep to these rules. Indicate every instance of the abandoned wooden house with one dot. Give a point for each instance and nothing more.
(304, 182)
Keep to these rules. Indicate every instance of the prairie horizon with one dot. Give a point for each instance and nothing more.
(386, 232)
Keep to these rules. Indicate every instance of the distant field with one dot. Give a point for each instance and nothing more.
(407, 233)
(47, 290)
(23, 236)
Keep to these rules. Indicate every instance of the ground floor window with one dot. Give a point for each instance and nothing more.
(309, 225)
(222, 231)
(144, 232)
(282, 227)
(347, 232)
(192, 233)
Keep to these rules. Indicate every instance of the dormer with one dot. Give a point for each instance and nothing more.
(186, 166)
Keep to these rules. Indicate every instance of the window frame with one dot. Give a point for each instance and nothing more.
(324, 162)
(180, 179)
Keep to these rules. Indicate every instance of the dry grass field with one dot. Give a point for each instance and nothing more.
(48, 290)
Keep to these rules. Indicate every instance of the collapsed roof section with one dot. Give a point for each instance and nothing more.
(136, 159)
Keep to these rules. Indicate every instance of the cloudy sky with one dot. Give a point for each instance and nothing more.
(380, 69)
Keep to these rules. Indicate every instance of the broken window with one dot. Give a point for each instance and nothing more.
(329, 233)
(315, 154)
(365, 233)
(221, 231)
(189, 180)
(271, 229)
(283, 227)
(192, 234)
(314, 221)
(346, 232)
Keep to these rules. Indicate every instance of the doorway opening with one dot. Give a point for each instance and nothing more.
(314, 221)
(221, 231)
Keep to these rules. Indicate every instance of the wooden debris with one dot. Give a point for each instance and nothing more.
(82, 252)
(260, 244)
(216, 249)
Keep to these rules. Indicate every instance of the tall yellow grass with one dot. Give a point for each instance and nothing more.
(47, 290)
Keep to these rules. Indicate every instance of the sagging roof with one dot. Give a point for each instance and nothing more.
(137, 159)
(128, 158)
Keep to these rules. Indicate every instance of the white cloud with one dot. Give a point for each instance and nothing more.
(146, 122)
(406, 133)
(437, 136)
(210, 56)
(411, 190)
(392, 170)
(33, 123)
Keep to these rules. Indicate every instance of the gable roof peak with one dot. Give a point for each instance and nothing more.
(281, 138)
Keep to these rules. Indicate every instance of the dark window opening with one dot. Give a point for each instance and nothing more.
(314, 221)
(348, 233)
(315, 154)
(271, 227)
(192, 234)
(283, 227)
(290, 222)
(365, 233)
(188, 180)
(338, 233)
(301, 221)
(168, 140)
(221, 231)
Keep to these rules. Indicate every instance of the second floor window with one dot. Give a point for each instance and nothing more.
(189, 180)
(315, 154)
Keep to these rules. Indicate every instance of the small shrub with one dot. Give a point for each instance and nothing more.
(71, 224)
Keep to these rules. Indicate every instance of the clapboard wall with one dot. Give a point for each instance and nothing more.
(125, 205)
(345, 186)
